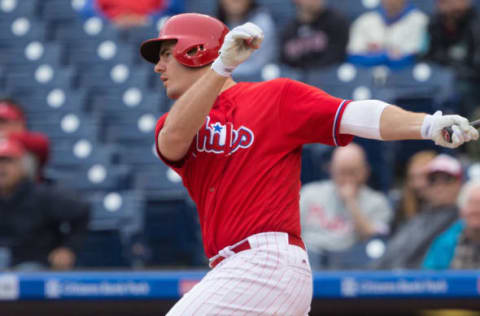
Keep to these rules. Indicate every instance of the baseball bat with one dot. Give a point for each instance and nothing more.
(447, 131)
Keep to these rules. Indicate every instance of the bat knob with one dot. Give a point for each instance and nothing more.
(447, 134)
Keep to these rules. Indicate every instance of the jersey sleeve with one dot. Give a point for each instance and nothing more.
(310, 115)
(178, 166)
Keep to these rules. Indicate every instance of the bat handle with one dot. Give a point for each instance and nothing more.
(448, 131)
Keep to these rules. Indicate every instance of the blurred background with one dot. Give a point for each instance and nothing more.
(81, 188)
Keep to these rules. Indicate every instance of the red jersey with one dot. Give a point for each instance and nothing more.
(243, 167)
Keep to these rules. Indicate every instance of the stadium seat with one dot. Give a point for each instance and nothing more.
(428, 81)
(74, 154)
(115, 77)
(10, 10)
(102, 53)
(172, 233)
(337, 77)
(77, 32)
(159, 182)
(121, 104)
(30, 56)
(352, 9)
(44, 75)
(201, 6)
(21, 30)
(122, 210)
(380, 156)
(69, 125)
(281, 11)
(54, 100)
(103, 248)
(140, 156)
(57, 10)
(93, 177)
(138, 128)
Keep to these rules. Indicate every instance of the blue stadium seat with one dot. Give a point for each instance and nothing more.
(74, 154)
(115, 77)
(52, 100)
(339, 76)
(202, 6)
(119, 105)
(141, 156)
(282, 11)
(10, 10)
(422, 81)
(103, 248)
(103, 53)
(315, 159)
(123, 210)
(64, 126)
(172, 233)
(28, 57)
(57, 10)
(380, 156)
(21, 30)
(78, 32)
(44, 75)
(427, 6)
(116, 223)
(352, 9)
(138, 128)
(159, 181)
(93, 177)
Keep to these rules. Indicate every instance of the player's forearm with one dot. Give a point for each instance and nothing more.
(188, 113)
(398, 124)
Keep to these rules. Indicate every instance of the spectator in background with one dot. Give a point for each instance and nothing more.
(317, 36)
(131, 13)
(454, 36)
(43, 227)
(13, 124)
(406, 249)
(236, 12)
(336, 214)
(392, 35)
(413, 195)
(459, 246)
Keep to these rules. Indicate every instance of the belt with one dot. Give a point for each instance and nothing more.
(245, 245)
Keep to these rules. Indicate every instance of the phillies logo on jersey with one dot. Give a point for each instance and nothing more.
(218, 138)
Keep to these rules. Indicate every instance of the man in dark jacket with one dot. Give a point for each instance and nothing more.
(317, 37)
(42, 226)
(454, 33)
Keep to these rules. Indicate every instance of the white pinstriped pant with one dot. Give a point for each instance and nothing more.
(272, 278)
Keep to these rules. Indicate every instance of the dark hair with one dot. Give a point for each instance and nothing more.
(222, 14)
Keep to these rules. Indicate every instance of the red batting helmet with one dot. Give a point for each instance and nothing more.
(191, 30)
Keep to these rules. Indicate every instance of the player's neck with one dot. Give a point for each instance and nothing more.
(228, 84)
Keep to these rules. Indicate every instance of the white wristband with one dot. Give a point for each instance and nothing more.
(362, 118)
(221, 69)
(426, 129)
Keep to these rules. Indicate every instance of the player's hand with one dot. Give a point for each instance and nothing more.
(238, 45)
(433, 126)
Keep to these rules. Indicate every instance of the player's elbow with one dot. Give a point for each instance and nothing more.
(173, 146)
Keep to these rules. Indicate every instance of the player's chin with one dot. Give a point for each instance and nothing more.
(173, 94)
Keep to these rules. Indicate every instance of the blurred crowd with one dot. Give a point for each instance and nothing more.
(428, 218)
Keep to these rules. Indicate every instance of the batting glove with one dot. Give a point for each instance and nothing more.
(433, 128)
(238, 45)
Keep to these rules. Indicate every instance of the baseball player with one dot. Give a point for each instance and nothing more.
(237, 147)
